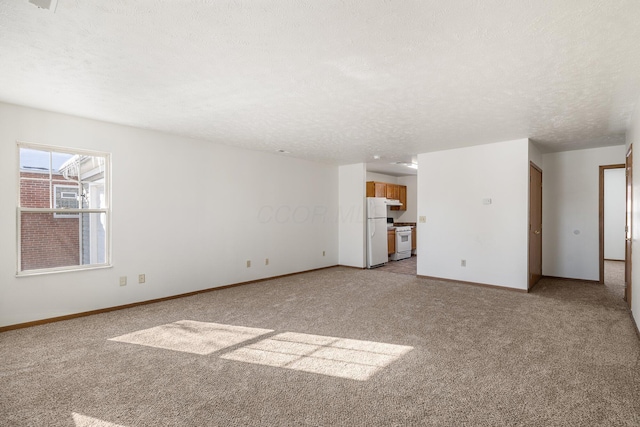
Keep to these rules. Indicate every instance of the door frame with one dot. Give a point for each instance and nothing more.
(529, 284)
(628, 244)
(602, 168)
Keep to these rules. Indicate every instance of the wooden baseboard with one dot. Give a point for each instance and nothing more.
(483, 285)
(151, 301)
(572, 279)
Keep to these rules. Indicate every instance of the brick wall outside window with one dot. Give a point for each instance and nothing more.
(46, 241)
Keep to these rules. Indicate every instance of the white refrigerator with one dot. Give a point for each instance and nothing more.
(377, 253)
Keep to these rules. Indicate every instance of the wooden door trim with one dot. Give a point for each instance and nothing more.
(628, 246)
(529, 285)
(601, 215)
(535, 166)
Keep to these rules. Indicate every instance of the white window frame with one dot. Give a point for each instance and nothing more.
(106, 210)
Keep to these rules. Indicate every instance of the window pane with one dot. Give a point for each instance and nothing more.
(34, 193)
(34, 160)
(50, 240)
(94, 197)
(94, 244)
(66, 197)
(82, 168)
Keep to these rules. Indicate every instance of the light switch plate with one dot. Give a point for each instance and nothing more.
(423, 219)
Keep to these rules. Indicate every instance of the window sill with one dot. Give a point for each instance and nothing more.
(56, 270)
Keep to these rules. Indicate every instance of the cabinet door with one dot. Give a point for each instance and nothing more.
(402, 196)
(414, 238)
(371, 189)
(392, 191)
(376, 189)
(391, 241)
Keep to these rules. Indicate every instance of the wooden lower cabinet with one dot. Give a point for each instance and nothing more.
(414, 238)
(391, 241)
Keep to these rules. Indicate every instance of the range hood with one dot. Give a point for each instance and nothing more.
(392, 202)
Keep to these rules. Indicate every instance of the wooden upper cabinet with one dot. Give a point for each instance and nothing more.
(376, 189)
(391, 241)
(402, 196)
(390, 191)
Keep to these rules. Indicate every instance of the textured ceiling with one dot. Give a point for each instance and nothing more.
(334, 81)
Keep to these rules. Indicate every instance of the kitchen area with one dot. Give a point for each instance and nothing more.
(391, 222)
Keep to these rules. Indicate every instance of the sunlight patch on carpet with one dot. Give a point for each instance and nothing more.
(192, 337)
(85, 421)
(336, 357)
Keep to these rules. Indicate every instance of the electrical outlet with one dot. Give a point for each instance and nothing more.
(141, 278)
(323, 253)
(266, 261)
(248, 263)
(423, 219)
(463, 263)
(123, 280)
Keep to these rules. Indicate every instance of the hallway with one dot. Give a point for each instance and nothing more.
(614, 277)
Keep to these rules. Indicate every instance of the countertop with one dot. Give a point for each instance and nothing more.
(401, 224)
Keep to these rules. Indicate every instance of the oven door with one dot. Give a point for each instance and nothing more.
(403, 241)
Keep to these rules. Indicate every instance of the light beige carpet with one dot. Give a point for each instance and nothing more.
(271, 354)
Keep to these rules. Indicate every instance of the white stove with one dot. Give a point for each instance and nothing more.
(403, 243)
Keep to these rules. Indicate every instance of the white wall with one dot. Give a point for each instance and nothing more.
(380, 177)
(187, 213)
(491, 238)
(614, 213)
(535, 155)
(351, 214)
(633, 138)
(570, 230)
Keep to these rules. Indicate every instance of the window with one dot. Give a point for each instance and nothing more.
(63, 209)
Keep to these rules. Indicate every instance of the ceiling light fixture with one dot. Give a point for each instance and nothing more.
(46, 4)
(376, 157)
(407, 164)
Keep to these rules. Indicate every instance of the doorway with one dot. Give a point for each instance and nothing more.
(628, 225)
(611, 203)
(535, 225)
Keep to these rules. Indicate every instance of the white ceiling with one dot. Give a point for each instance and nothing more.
(333, 80)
